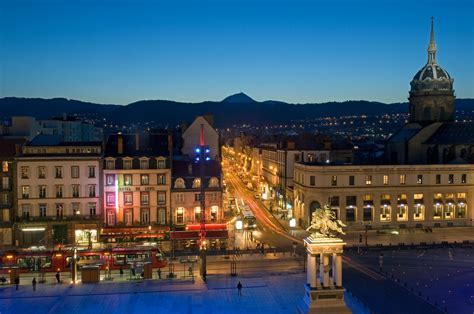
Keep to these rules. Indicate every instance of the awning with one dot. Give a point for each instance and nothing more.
(194, 235)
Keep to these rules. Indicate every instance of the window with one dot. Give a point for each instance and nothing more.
(351, 200)
(402, 207)
(461, 197)
(59, 191)
(41, 172)
(92, 208)
(25, 172)
(419, 207)
(367, 213)
(197, 197)
(402, 179)
(161, 198)
(110, 198)
(76, 208)
(368, 180)
(463, 178)
(42, 210)
(144, 179)
(161, 164)
(75, 172)
(25, 191)
(180, 215)
(58, 172)
(213, 197)
(5, 199)
(110, 164)
(351, 180)
(25, 209)
(419, 179)
(334, 201)
(75, 190)
(214, 213)
(350, 214)
(92, 190)
(334, 181)
(161, 216)
(128, 198)
(312, 180)
(5, 166)
(385, 212)
(143, 164)
(111, 218)
(179, 184)
(461, 210)
(42, 191)
(127, 164)
(180, 198)
(197, 213)
(110, 179)
(145, 215)
(59, 210)
(144, 198)
(162, 179)
(438, 179)
(451, 179)
(127, 179)
(385, 179)
(213, 182)
(128, 217)
(6, 183)
(91, 171)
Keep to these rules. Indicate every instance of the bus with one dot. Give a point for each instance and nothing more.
(248, 217)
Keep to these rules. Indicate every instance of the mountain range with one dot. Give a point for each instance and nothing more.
(236, 109)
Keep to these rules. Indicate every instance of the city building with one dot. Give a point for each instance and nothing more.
(67, 128)
(427, 180)
(192, 133)
(58, 189)
(386, 196)
(136, 185)
(8, 149)
(431, 134)
(186, 201)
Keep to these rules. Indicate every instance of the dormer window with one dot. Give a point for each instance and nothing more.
(127, 164)
(144, 164)
(161, 163)
(213, 182)
(179, 184)
(196, 183)
(110, 164)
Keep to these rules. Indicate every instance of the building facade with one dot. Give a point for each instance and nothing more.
(58, 189)
(136, 187)
(387, 196)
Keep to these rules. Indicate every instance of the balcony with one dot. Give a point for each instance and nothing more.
(57, 219)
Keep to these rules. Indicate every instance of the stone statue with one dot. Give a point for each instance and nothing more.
(325, 224)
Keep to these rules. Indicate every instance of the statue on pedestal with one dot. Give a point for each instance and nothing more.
(325, 224)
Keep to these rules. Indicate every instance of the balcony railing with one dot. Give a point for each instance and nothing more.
(57, 218)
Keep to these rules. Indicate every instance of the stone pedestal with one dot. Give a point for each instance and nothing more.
(323, 289)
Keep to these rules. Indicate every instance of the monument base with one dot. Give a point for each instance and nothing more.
(323, 301)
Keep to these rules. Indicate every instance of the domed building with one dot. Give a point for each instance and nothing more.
(431, 136)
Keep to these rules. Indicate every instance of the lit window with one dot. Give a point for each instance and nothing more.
(161, 164)
(127, 179)
(161, 198)
(334, 181)
(385, 179)
(25, 191)
(58, 172)
(75, 172)
(127, 164)
(128, 198)
(368, 180)
(5, 166)
(402, 179)
(143, 164)
(91, 171)
(110, 179)
(110, 197)
(144, 179)
(419, 179)
(41, 172)
(145, 198)
(451, 179)
(162, 179)
(196, 183)
(463, 178)
(25, 172)
(110, 165)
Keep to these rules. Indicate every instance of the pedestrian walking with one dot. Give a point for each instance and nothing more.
(33, 282)
(190, 270)
(204, 274)
(159, 273)
(121, 271)
(239, 289)
(58, 277)
(17, 282)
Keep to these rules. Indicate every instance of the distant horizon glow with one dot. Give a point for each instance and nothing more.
(120, 52)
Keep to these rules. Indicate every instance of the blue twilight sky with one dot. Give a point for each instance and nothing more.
(290, 50)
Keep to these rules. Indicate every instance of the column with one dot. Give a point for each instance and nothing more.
(321, 268)
(338, 270)
(312, 271)
(326, 270)
(332, 280)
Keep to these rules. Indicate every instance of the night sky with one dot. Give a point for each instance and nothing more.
(295, 51)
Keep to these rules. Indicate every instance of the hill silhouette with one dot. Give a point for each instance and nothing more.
(234, 110)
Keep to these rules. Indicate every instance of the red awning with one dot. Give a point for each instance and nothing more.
(194, 235)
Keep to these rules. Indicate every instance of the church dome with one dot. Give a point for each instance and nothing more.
(431, 77)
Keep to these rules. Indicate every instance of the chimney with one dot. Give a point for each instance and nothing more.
(190, 168)
(119, 144)
(137, 141)
(17, 149)
(290, 145)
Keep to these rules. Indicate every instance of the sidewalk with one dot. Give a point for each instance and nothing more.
(271, 294)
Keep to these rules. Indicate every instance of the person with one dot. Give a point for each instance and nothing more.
(204, 276)
(121, 271)
(58, 277)
(239, 289)
(17, 282)
(34, 283)
(190, 270)
(159, 273)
